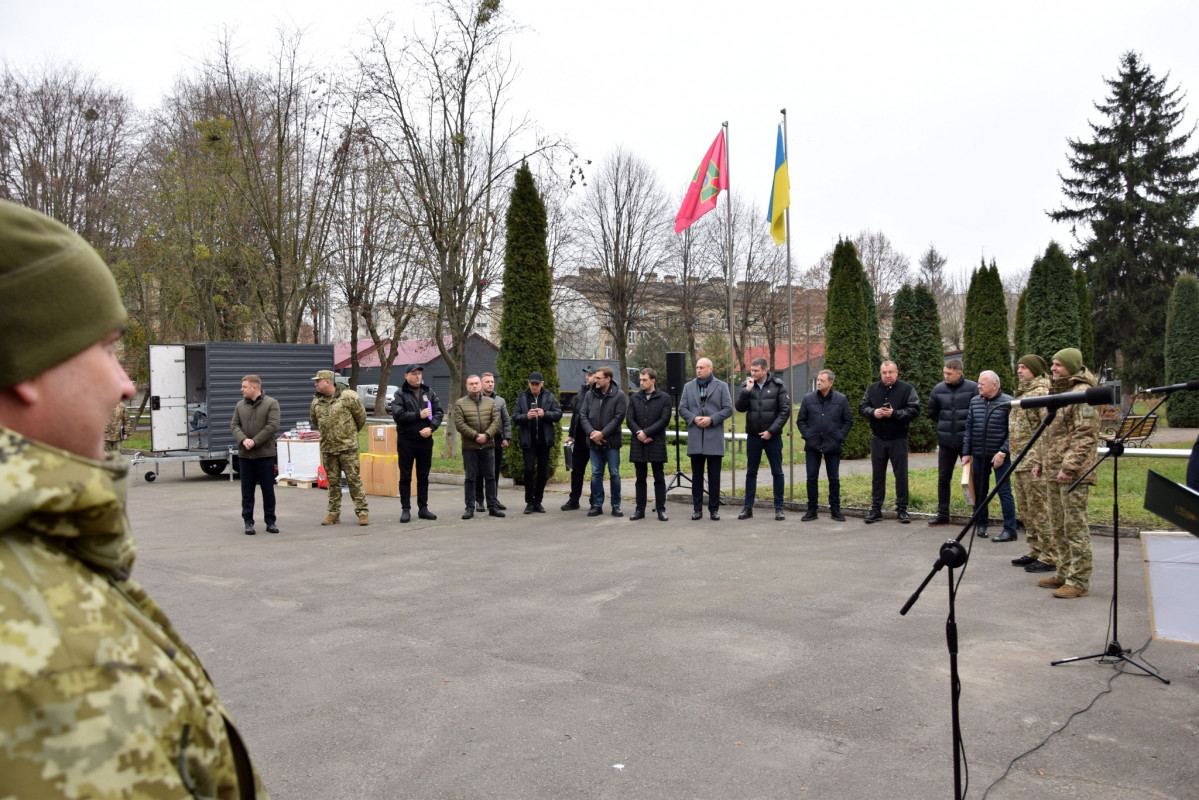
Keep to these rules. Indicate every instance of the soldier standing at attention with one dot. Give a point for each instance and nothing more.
(1071, 450)
(118, 428)
(99, 695)
(1031, 493)
(338, 414)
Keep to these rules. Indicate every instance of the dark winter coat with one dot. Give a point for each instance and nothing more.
(947, 406)
(604, 413)
(539, 430)
(824, 422)
(767, 406)
(650, 413)
(257, 420)
(573, 431)
(904, 402)
(406, 407)
(980, 442)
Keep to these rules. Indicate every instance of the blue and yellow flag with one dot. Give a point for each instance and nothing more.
(780, 194)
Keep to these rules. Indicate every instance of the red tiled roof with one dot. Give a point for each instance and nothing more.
(409, 351)
(799, 354)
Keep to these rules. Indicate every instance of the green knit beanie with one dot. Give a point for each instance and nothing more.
(1036, 365)
(59, 297)
(1071, 359)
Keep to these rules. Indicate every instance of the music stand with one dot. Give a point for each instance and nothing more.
(1172, 502)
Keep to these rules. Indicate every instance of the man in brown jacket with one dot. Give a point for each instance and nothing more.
(477, 420)
(254, 425)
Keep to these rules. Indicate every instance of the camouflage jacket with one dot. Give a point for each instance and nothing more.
(1072, 441)
(118, 425)
(1022, 423)
(99, 695)
(472, 417)
(338, 417)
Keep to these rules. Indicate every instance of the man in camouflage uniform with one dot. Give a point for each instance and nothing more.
(117, 430)
(1031, 493)
(1071, 448)
(338, 414)
(99, 695)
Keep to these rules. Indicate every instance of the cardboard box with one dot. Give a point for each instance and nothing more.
(381, 475)
(381, 440)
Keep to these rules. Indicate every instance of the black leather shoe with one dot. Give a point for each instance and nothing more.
(495, 512)
(714, 516)
(809, 515)
(501, 506)
(874, 516)
(272, 528)
(940, 519)
(1006, 536)
(746, 513)
(249, 529)
(903, 517)
(1022, 561)
(1040, 566)
(697, 515)
(469, 513)
(837, 515)
(616, 512)
(425, 513)
(570, 505)
(779, 516)
(981, 533)
(405, 516)
(480, 507)
(538, 508)
(528, 508)
(662, 517)
(595, 511)
(638, 513)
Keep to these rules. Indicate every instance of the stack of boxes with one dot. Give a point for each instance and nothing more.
(380, 464)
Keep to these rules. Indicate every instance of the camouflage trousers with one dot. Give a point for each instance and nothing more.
(112, 446)
(1032, 496)
(1071, 532)
(335, 464)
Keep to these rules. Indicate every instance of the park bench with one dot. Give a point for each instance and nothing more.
(1137, 427)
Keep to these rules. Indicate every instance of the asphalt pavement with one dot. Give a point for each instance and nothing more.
(556, 655)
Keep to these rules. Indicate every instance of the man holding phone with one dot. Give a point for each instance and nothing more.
(890, 404)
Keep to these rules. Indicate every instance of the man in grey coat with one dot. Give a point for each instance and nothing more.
(705, 405)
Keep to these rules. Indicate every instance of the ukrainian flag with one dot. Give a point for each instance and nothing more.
(780, 193)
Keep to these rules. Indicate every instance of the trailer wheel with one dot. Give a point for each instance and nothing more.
(150, 476)
(214, 466)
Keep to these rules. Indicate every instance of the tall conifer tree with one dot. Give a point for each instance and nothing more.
(847, 340)
(1182, 354)
(986, 345)
(1051, 321)
(916, 351)
(527, 324)
(1086, 336)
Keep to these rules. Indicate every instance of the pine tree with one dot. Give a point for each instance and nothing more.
(1051, 320)
(527, 324)
(847, 341)
(1020, 335)
(876, 346)
(1181, 353)
(1086, 337)
(916, 351)
(986, 341)
(1134, 191)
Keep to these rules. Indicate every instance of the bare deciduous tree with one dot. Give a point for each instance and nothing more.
(886, 268)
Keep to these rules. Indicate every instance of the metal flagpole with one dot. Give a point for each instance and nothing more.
(728, 208)
(790, 321)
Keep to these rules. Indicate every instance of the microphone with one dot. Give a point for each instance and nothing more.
(1094, 396)
(1178, 387)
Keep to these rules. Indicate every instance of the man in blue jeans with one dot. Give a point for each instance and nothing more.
(824, 420)
(602, 420)
(767, 407)
(985, 447)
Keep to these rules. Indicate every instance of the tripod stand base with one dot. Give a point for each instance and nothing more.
(1115, 652)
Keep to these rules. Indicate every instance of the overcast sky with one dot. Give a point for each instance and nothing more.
(939, 122)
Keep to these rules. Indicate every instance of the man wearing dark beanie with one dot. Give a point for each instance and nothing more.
(98, 692)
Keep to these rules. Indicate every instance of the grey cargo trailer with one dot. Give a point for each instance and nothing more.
(195, 387)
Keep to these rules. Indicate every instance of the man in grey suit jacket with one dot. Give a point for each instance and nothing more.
(705, 405)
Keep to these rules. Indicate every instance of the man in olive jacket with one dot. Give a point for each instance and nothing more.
(767, 406)
(824, 420)
(649, 414)
(99, 694)
(337, 412)
(254, 425)
(477, 420)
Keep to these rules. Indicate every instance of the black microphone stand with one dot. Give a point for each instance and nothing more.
(679, 476)
(1115, 449)
(953, 555)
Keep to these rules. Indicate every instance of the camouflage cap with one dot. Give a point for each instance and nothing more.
(323, 375)
(59, 296)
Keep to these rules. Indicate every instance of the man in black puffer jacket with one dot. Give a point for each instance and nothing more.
(985, 447)
(947, 407)
(767, 407)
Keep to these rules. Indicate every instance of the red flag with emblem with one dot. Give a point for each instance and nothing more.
(710, 178)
